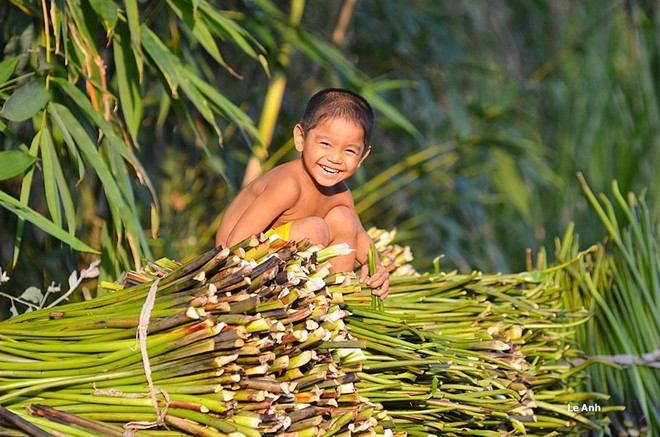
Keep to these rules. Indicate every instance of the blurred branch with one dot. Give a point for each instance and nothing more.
(339, 34)
(651, 359)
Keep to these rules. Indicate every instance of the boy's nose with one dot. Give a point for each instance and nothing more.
(334, 157)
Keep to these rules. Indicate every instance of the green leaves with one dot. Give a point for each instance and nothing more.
(7, 68)
(14, 162)
(27, 101)
(128, 80)
(28, 214)
(66, 121)
(107, 12)
(620, 285)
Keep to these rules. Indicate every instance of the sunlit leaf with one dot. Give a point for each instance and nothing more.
(186, 13)
(218, 23)
(30, 215)
(14, 162)
(224, 105)
(27, 101)
(390, 112)
(133, 18)
(163, 58)
(107, 12)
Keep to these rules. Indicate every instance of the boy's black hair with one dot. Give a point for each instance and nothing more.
(341, 103)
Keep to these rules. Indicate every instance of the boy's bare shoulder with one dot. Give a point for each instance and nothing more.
(281, 177)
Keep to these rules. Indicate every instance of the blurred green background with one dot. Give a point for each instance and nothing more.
(136, 120)
(126, 127)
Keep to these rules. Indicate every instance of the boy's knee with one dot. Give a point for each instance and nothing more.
(343, 223)
(314, 228)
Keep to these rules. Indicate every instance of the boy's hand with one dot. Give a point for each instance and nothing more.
(379, 279)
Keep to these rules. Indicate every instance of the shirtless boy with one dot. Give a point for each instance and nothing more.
(307, 197)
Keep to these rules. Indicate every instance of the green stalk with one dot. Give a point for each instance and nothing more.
(376, 302)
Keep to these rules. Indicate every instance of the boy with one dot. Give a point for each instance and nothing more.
(307, 197)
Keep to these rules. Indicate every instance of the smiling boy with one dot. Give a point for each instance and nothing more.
(307, 197)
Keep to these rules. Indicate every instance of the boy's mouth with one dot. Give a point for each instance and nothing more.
(329, 170)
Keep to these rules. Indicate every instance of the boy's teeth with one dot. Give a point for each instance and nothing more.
(329, 170)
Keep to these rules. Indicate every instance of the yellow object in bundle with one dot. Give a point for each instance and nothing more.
(283, 231)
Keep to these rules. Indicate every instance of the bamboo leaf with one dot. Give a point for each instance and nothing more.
(50, 185)
(215, 162)
(26, 187)
(14, 163)
(390, 111)
(327, 54)
(122, 212)
(61, 183)
(330, 56)
(163, 58)
(133, 18)
(229, 28)
(225, 106)
(107, 12)
(128, 81)
(7, 68)
(30, 215)
(186, 13)
(70, 144)
(124, 183)
(27, 101)
(115, 141)
(199, 101)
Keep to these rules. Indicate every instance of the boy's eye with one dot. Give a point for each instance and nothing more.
(325, 144)
(351, 151)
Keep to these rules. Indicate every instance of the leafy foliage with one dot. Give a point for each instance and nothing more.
(620, 286)
(139, 118)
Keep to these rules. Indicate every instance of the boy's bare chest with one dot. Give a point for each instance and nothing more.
(313, 205)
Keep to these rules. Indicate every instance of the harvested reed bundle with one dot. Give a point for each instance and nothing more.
(472, 354)
(242, 341)
(255, 340)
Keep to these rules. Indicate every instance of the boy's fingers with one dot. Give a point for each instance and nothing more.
(379, 277)
(384, 290)
(364, 273)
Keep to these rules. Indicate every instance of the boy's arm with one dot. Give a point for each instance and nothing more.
(264, 210)
(380, 279)
(362, 249)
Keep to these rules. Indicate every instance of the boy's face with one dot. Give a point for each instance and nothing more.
(332, 150)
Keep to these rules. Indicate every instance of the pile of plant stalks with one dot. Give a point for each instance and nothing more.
(476, 354)
(257, 340)
(244, 341)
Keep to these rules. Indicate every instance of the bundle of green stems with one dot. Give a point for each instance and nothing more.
(240, 341)
(261, 339)
(473, 354)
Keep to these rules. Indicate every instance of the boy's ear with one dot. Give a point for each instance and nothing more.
(366, 153)
(298, 137)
